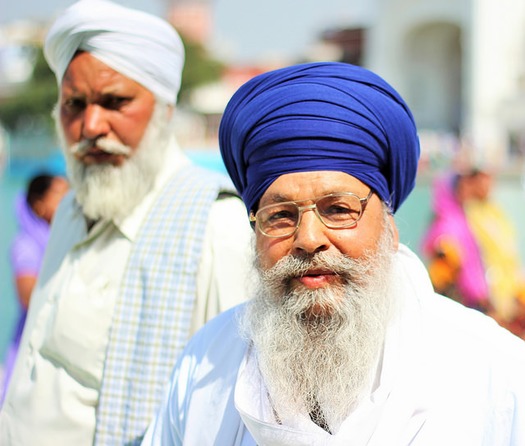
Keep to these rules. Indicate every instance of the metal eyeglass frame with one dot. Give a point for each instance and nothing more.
(363, 201)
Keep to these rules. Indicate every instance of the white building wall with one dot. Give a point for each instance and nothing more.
(491, 65)
(394, 20)
(496, 67)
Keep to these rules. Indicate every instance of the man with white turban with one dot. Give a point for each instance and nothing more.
(144, 250)
(344, 342)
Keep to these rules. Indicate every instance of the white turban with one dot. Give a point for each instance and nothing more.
(138, 45)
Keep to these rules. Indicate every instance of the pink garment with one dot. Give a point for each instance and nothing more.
(450, 221)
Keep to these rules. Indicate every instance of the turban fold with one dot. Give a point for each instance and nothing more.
(138, 45)
(319, 116)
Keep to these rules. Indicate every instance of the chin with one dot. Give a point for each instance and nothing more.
(319, 311)
(320, 304)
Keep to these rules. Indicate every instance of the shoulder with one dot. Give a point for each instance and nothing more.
(192, 175)
(218, 337)
(208, 365)
(475, 356)
(26, 254)
(66, 220)
(453, 330)
(194, 185)
(66, 210)
(24, 241)
(460, 353)
(227, 211)
(476, 363)
(473, 329)
(228, 225)
(202, 385)
(213, 353)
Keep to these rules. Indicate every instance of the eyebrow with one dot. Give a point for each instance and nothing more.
(280, 198)
(277, 198)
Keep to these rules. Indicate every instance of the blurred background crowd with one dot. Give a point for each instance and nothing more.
(460, 64)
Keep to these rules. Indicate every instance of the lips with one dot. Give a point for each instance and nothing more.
(317, 278)
(95, 155)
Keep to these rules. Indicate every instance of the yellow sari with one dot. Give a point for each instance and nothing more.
(496, 237)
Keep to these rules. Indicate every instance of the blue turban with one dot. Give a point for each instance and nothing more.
(319, 116)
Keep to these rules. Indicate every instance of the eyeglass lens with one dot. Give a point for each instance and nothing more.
(335, 211)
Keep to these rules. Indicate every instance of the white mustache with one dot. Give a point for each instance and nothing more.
(105, 144)
(294, 266)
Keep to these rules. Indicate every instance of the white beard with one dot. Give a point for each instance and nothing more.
(329, 360)
(109, 192)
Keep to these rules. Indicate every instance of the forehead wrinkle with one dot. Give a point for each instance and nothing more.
(277, 198)
(282, 197)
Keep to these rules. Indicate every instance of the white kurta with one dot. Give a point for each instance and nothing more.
(54, 390)
(449, 376)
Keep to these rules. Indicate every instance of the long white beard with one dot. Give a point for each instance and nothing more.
(112, 192)
(311, 362)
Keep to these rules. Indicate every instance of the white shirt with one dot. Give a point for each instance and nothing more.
(55, 386)
(449, 376)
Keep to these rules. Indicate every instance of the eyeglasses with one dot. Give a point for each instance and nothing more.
(336, 211)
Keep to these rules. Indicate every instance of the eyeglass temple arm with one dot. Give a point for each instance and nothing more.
(252, 219)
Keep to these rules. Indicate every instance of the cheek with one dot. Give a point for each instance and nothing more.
(355, 242)
(130, 129)
(270, 251)
(71, 129)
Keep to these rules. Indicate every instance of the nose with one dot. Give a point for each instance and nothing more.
(95, 123)
(311, 235)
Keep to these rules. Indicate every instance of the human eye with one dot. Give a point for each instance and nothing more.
(114, 102)
(73, 105)
(339, 208)
(280, 215)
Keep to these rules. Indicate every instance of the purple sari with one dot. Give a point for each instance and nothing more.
(27, 252)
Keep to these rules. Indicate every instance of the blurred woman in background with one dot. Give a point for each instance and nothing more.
(34, 212)
(453, 256)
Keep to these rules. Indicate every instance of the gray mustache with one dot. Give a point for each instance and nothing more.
(105, 144)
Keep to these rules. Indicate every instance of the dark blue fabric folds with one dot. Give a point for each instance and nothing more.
(319, 116)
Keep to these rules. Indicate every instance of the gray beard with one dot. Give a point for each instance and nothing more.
(109, 192)
(327, 360)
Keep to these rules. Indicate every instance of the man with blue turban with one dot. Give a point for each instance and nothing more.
(145, 249)
(344, 341)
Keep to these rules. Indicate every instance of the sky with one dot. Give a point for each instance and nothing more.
(250, 29)
(11, 10)
(244, 30)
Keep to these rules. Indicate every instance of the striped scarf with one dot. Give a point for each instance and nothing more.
(154, 309)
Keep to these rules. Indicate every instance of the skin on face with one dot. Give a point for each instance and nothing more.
(313, 236)
(45, 208)
(47, 205)
(97, 101)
